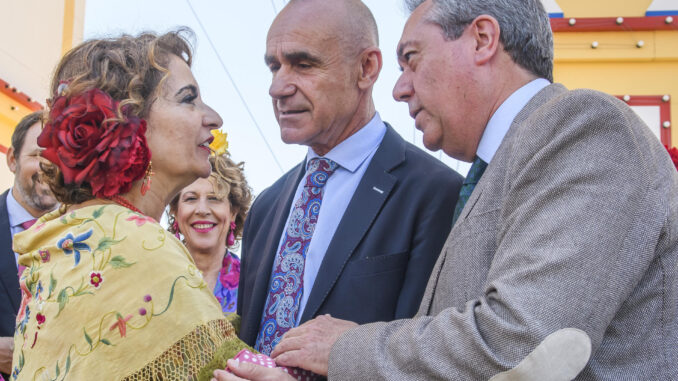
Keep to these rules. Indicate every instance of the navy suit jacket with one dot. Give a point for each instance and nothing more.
(382, 253)
(10, 294)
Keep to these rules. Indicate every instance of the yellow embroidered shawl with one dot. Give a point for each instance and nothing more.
(109, 294)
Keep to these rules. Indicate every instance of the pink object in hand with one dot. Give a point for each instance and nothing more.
(263, 360)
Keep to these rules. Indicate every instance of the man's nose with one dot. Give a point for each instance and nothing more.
(282, 84)
(403, 90)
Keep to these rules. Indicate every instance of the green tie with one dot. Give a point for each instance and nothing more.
(470, 182)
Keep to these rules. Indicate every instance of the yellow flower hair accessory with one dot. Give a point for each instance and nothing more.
(219, 145)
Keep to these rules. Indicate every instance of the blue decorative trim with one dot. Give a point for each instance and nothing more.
(662, 13)
(556, 15)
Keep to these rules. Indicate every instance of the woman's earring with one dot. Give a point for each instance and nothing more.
(175, 227)
(146, 183)
(231, 235)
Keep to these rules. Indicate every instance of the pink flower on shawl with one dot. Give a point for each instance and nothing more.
(140, 220)
(121, 324)
(26, 297)
(95, 279)
(44, 255)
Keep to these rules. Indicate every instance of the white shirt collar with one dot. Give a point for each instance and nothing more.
(501, 120)
(350, 153)
(17, 214)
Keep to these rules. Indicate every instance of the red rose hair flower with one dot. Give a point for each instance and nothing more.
(87, 140)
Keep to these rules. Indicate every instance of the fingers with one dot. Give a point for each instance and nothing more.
(250, 371)
(288, 343)
(304, 360)
(293, 359)
(308, 346)
(222, 375)
(310, 357)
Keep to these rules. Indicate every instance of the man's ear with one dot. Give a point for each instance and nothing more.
(370, 67)
(11, 160)
(486, 34)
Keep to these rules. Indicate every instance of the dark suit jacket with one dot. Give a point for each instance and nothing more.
(10, 295)
(378, 262)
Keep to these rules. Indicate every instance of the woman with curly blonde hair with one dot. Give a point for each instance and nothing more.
(210, 214)
(107, 292)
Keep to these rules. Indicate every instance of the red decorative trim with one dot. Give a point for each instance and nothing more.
(18, 96)
(3, 149)
(609, 24)
(664, 112)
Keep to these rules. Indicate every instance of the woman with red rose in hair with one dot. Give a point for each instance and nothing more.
(210, 214)
(107, 292)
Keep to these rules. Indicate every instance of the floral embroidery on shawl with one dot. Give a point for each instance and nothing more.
(70, 245)
(103, 254)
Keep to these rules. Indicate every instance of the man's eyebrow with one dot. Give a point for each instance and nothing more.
(269, 59)
(35, 151)
(192, 88)
(294, 57)
(401, 48)
(302, 56)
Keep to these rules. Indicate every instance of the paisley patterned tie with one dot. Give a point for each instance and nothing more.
(287, 280)
(477, 169)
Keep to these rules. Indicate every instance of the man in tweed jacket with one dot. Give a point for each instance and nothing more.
(574, 223)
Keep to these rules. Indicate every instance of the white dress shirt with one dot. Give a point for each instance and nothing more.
(17, 216)
(501, 120)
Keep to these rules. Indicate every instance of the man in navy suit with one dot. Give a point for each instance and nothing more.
(28, 199)
(385, 211)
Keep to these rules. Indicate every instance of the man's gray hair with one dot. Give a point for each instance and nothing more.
(524, 24)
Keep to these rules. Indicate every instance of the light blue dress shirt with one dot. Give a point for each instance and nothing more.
(353, 156)
(17, 216)
(501, 120)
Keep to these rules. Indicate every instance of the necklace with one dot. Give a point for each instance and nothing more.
(123, 202)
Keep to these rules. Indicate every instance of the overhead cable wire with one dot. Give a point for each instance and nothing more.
(235, 86)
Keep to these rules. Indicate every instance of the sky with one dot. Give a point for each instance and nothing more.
(233, 79)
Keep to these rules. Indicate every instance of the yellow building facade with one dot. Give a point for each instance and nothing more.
(625, 48)
(35, 33)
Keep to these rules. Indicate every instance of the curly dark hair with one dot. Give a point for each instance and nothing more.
(130, 69)
(229, 179)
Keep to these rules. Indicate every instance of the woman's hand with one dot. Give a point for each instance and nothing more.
(249, 371)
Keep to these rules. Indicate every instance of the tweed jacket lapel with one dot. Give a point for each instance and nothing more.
(486, 196)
